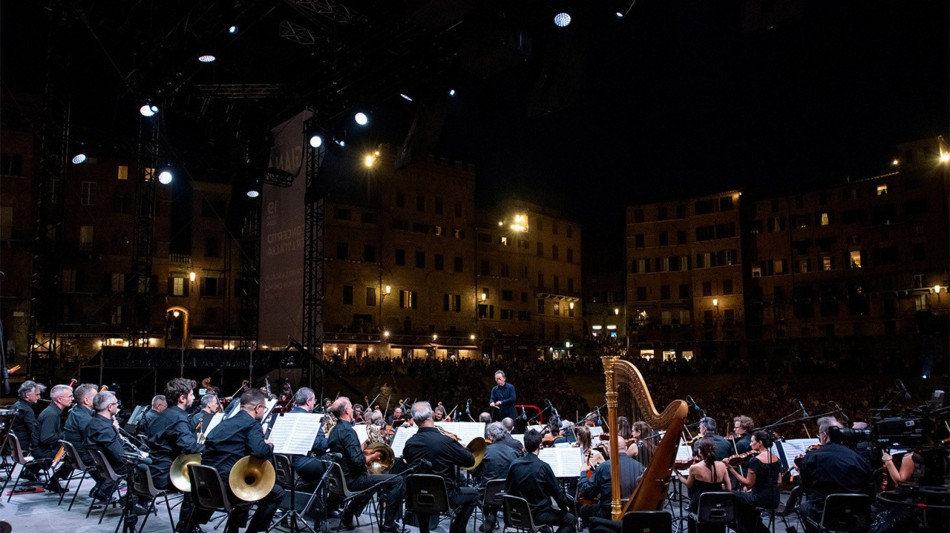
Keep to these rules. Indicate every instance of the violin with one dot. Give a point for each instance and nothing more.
(739, 458)
(685, 464)
(225, 401)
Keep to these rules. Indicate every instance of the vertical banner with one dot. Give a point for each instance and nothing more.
(282, 239)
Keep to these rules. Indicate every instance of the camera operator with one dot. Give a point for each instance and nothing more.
(831, 469)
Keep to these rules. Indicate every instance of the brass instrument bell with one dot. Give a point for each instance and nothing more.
(178, 472)
(477, 446)
(252, 478)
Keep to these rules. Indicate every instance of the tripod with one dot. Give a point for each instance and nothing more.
(293, 517)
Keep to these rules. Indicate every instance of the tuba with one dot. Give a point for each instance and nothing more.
(252, 478)
(376, 442)
(178, 472)
(651, 490)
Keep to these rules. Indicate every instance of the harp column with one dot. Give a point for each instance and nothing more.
(615, 509)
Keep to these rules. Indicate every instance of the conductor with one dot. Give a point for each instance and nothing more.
(502, 397)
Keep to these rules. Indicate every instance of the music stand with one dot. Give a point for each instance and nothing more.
(294, 434)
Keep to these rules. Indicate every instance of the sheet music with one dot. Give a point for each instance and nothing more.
(792, 448)
(400, 437)
(294, 433)
(537, 427)
(684, 453)
(562, 444)
(519, 437)
(566, 462)
(215, 420)
(233, 408)
(361, 434)
(595, 431)
(467, 431)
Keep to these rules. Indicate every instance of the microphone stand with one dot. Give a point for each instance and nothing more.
(294, 515)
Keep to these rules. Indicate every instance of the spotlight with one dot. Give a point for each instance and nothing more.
(619, 15)
(561, 20)
(148, 110)
(405, 97)
(80, 156)
(165, 177)
(255, 189)
(316, 141)
(340, 142)
(232, 29)
(207, 58)
(369, 160)
(361, 118)
(451, 92)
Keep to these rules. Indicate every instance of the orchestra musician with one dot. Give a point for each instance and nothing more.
(760, 484)
(24, 425)
(503, 397)
(75, 433)
(395, 420)
(103, 433)
(201, 420)
(233, 439)
(742, 434)
(443, 454)
(566, 433)
(598, 486)
(438, 414)
(510, 441)
(309, 469)
(592, 457)
(343, 440)
(159, 404)
(532, 479)
(831, 469)
(644, 442)
(708, 475)
(495, 464)
(707, 428)
(51, 432)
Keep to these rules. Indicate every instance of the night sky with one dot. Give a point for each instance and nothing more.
(678, 99)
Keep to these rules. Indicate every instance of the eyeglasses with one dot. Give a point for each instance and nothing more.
(114, 404)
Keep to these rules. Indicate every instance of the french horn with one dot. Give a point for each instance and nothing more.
(251, 478)
(178, 472)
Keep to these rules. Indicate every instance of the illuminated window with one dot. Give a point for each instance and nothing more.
(69, 280)
(778, 266)
(178, 286)
(669, 355)
(123, 172)
(882, 190)
(86, 234)
(825, 219)
(856, 259)
(408, 299)
(827, 263)
(118, 282)
(557, 308)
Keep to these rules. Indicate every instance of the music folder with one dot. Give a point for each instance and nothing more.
(294, 433)
(566, 462)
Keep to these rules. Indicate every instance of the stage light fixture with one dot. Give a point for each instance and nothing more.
(561, 20)
(232, 29)
(80, 156)
(451, 92)
(361, 118)
(255, 189)
(405, 97)
(207, 58)
(148, 110)
(165, 177)
(619, 15)
(316, 141)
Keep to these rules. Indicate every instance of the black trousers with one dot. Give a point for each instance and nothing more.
(266, 509)
(392, 491)
(563, 520)
(463, 500)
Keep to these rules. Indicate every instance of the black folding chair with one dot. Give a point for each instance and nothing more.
(109, 476)
(844, 512)
(715, 508)
(13, 445)
(428, 499)
(144, 488)
(647, 522)
(72, 456)
(337, 487)
(208, 493)
(494, 490)
(517, 514)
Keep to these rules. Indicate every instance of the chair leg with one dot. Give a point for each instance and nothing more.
(78, 488)
(151, 503)
(169, 508)
(15, 483)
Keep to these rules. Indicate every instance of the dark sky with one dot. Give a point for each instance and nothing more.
(678, 99)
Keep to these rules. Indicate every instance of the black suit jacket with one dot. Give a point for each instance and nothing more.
(101, 433)
(169, 436)
(444, 453)
(25, 426)
(234, 438)
(50, 432)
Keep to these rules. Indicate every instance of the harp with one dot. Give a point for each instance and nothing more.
(651, 490)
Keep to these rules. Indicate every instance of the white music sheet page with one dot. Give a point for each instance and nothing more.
(566, 462)
(360, 432)
(595, 431)
(400, 438)
(467, 431)
(538, 427)
(215, 420)
(518, 437)
(234, 410)
(294, 433)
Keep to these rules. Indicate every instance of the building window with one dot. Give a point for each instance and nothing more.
(458, 209)
(664, 238)
(368, 217)
(420, 203)
(408, 299)
(540, 306)
(882, 190)
(400, 199)
(118, 282)
(458, 264)
(727, 286)
(641, 294)
(503, 270)
(486, 311)
(570, 284)
(778, 266)
(803, 265)
(343, 250)
(827, 262)
(179, 287)
(554, 252)
(557, 309)
(123, 172)
(210, 286)
(540, 251)
(400, 257)
(540, 280)
(438, 206)
(420, 259)
(825, 219)
(347, 295)
(664, 292)
(342, 213)
(707, 288)
(452, 302)
(684, 291)
(485, 268)
(439, 261)
(86, 234)
(369, 253)
(570, 255)
(371, 296)
(88, 193)
(507, 295)
(638, 240)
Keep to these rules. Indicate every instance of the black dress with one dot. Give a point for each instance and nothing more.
(765, 494)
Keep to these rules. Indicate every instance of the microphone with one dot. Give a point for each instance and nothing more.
(841, 412)
(524, 414)
(423, 462)
(468, 403)
(901, 388)
(598, 416)
(693, 402)
(331, 457)
(804, 411)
